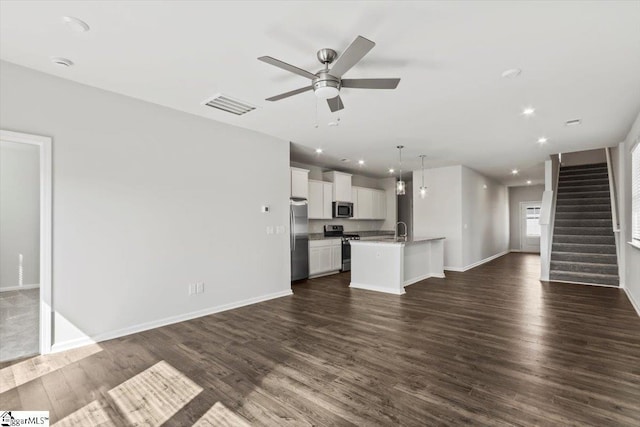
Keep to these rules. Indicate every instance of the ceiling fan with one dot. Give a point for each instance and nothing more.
(326, 83)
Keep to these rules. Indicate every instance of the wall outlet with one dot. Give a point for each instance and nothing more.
(280, 229)
(200, 287)
(192, 288)
(270, 229)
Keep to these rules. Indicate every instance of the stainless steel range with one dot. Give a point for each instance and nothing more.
(338, 231)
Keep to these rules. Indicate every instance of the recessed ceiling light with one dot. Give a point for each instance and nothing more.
(391, 171)
(528, 111)
(63, 62)
(542, 140)
(511, 73)
(77, 25)
(515, 171)
(529, 182)
(573, 122)
(361, 162)
(484, 186)
(319, 150)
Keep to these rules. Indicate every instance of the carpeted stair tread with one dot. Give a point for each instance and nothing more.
(583, 195)
(585, 182)
(590, 222)
(587, 166)
(582, 177)
(591, 231)
(584, 214)
(583, 188)
(584, 248)
(600, 279)
(583, 202)
(577, 257)
(581, 208)
(584, 267)
(584, 239)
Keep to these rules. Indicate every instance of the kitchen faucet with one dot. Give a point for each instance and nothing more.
(404, 236)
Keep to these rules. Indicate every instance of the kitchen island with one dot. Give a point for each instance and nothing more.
(390, 264)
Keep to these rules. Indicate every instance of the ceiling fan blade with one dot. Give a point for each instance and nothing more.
(354, 53)
(370, 83)
(290, 93)
(335, 104)
(288, 67)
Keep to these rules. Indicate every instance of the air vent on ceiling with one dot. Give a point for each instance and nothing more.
(228, 104)
(573, 122)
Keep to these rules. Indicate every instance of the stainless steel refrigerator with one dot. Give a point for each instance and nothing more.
(299, 226)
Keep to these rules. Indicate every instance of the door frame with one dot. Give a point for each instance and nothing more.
(523, 231)
(46, 297)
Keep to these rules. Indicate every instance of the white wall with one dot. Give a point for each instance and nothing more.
(485, 217)
(143, 206)
(632, 254)
(440, 213)
(19, 214)
(473, 219)
(517, 195)
(585, 157)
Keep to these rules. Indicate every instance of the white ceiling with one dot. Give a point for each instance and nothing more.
(579, 59)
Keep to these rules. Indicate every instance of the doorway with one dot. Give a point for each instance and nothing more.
(25, 245)
(530, 227)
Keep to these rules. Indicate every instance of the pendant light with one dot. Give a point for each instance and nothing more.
(400, 186)
(423, 189)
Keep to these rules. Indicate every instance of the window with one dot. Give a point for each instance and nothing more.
(533, 221)
(635, 193)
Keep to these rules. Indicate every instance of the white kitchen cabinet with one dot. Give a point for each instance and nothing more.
(325, 256)
(327, 196)
(369, 203)
(299, 183)
(320, 194)
(341, 185)
(379, 204)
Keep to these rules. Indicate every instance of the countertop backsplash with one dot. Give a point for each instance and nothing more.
(350, 225)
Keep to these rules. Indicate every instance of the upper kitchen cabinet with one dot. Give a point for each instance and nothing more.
(320, 195)
(299, 183)
(341, 185)
(369, 203)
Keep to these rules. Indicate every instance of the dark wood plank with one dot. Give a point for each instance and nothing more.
(491, 346)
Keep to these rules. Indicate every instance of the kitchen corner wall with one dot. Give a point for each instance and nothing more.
(355, 225)
(147, 200)
(473, 219)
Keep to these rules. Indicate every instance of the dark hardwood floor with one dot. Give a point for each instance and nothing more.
(492, 346)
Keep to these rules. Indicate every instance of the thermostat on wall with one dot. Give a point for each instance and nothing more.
(265, 209)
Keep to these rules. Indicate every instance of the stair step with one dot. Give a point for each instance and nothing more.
(582, 188)
(584, 248)
(571, 172)
(566, 207)
(584, 223)
(586, 166)
(584, 214)
(578, 238)
(584, 267)
(575, 257)
(583, 201)
(584, 182)
(599, 279)
(593, 231)
(583, 177)
(583, 194)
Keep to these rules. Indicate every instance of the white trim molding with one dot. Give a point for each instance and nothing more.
(46, 308)
(18, 288)
(376, 288)
(476, 264)
(109, 335)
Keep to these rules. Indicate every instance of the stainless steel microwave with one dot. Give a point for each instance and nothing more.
(342, 210)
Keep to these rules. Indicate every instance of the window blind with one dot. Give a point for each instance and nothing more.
(635, 193)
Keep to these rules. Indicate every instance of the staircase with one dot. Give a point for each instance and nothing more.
(584, 248)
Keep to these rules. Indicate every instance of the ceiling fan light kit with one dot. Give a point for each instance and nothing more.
(326, 83)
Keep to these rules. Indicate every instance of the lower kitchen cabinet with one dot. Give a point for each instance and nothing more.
(325, 256)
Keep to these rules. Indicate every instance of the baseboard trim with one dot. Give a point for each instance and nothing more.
(418, 279)
(328, 273)
(634, 303)
(19, 288)
(79, 342)
(476, 264)
(375, 288)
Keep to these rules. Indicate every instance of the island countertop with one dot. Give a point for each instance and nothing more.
(394, 241)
